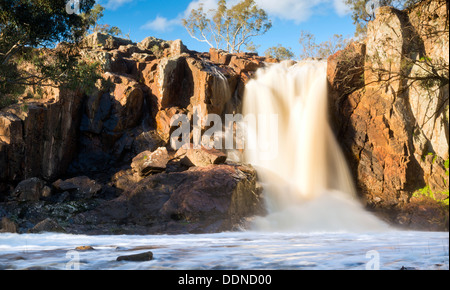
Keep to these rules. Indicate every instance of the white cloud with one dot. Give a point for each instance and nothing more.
(299, 10)
(114, 4)
(294, 10)
(161, 24)
(207, 5)
(341, 8)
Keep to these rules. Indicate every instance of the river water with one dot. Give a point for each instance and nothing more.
(389, 250)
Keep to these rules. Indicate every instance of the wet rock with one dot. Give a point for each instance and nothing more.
(403, 268)
(143, 257)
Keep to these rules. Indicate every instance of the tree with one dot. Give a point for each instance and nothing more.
(363, 11)
(279, 52)
(227, 27)
(27, 29)
(310, 49)
(92, 18)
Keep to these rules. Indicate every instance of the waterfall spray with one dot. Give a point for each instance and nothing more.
(307, 184)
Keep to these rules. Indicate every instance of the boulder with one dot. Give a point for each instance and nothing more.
(177, 48)
(10, 127)
(30, 189)
(82, 186)
(215, 197)
(219, 56)
(161, 48)
(201, 157)
(151, 42)
(243, 64)
(142, 257)
(150, 162)
(202, 199)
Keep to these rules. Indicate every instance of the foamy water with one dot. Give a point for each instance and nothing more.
(235, 251)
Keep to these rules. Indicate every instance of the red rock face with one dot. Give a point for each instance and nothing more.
(124, 119)
(41, 139)
(377, 115)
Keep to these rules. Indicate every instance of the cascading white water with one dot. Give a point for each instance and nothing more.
(307, 183)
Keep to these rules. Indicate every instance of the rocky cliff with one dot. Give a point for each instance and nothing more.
(389, 103)
(68, 156)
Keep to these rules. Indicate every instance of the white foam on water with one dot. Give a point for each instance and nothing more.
(236, 251)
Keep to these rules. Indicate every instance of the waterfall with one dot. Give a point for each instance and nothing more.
(306, 181)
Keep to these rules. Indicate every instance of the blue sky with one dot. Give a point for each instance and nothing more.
(161, 18)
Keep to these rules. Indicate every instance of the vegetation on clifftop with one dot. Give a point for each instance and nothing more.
(28, 32)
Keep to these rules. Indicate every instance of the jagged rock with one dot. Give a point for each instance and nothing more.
(151, 42)
(177, 48)
(220, 56)
(142, 57)
(98, 40)
(46, 142)
(162, 48)
(129, 49)
(243, 64)
(125, 179)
